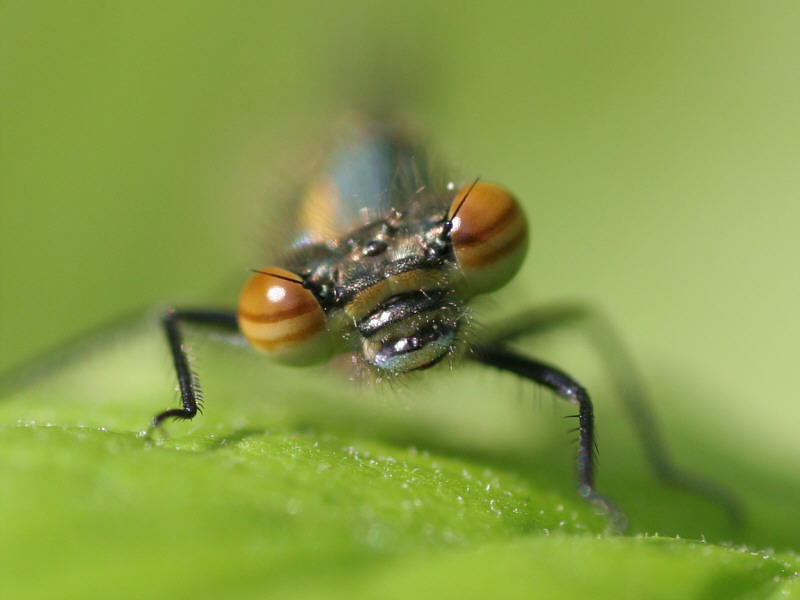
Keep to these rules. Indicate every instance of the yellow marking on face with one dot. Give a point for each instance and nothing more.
(392, 285)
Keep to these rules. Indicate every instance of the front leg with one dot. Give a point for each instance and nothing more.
(620, 366)
(172, 320)
(501, 357)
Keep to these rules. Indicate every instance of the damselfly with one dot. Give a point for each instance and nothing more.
(388, 253)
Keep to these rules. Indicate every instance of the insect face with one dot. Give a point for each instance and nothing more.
(394, 291)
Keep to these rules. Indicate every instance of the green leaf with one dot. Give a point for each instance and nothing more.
(313, 495)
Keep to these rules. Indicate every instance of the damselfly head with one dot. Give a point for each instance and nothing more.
(386, 263)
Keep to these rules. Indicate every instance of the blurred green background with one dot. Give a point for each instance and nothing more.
(656, 148)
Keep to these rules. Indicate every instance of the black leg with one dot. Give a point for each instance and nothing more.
(620, 366)
(562, 384)
(187, 380)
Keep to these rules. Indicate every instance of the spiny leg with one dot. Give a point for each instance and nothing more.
(620, 366)
(172, 321)
(562, 384)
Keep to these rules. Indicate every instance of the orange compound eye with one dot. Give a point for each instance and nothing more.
(282, 318)
(489, 234)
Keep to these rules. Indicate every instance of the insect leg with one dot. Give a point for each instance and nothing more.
(620, 366)
(566, 387)
(172, 320)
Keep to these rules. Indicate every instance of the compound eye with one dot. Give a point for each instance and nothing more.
(282, 318)
(489, 235)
